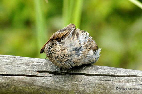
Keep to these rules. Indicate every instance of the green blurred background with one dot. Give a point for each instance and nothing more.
(115, 25)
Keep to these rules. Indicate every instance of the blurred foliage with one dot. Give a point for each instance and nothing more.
(72, 10)
(115, 25)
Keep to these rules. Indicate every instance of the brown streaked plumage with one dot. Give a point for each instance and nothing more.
(71, 47)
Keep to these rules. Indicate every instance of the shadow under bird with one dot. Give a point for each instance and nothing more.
(70, 47)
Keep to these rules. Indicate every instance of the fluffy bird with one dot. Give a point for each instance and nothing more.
(70, 47)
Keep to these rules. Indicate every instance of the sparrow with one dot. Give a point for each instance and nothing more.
(70, 47)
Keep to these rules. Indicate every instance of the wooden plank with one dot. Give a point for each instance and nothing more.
(34, 75)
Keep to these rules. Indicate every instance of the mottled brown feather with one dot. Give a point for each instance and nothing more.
(71, 47)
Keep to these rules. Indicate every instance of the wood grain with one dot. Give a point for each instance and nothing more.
(39, 76)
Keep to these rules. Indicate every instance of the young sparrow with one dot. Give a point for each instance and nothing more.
(70, 47)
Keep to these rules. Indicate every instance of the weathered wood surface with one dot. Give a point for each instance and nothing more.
(39, 76)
